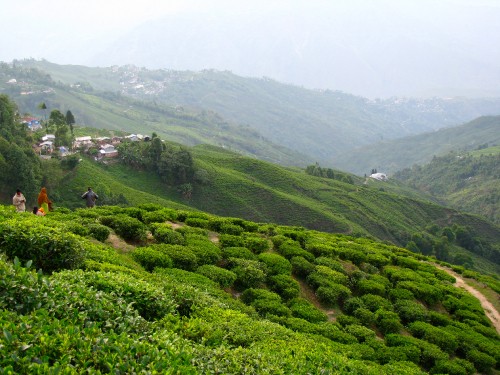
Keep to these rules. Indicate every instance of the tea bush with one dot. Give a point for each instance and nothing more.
(204, 250)
(284, 285)
(166, 235)
(99, 232)
(333, 294)
(150, 258)
(125, 226)
(275, 263)
(446, 341)
(50, 248)
(197, 222)
(249, 273)
(159, 216)
(301, 267)
(256, 244)
(302, 308)
(223, 277)
(181, 256)
(238, 252)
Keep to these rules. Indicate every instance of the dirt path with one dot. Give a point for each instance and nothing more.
(489, 309)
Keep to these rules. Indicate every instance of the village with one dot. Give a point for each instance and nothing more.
(105, 147)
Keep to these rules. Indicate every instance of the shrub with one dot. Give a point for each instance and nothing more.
(249, 273)
(290, 249)
(446, 341)
(232, 229)
(387, 321)
(410, 311)
(370, 287)
(323, 276)
(150, 258)
(99, 232)
(269, 307)
(449, 367)
(320, 250)
(256, 244)
(361, 333)
(223, 277)
(301, 267)
(197, 222)
(252, 294)
(238, 252)
(331, 263)
(482, 361)
(182, 257)
(50, 248)
(164, 234)
(373, 302)
(345, 320)
(227, 240)
(284, 285)
(206, 252)
(352, 304)
(400, 294)
(159, 216)
(333, 293)
(365, 316)
(125, 226)
(302, 308)
(276, 264)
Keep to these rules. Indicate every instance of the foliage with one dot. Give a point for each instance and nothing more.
(125, 226)
(150, 258)
(223, 277)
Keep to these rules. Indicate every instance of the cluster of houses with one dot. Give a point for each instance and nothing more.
(105, 145)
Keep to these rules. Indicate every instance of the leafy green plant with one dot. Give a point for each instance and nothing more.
(223, 277)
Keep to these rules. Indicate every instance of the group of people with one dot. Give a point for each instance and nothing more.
(45, 204)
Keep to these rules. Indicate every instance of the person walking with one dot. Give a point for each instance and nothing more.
(90, 197)
(19, 201)
(44, 201)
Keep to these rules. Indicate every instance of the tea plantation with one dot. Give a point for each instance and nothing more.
(202, 294)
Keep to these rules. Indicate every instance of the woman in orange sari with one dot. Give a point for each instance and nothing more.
(43, 200)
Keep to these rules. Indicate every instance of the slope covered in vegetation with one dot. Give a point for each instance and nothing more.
(205, 294)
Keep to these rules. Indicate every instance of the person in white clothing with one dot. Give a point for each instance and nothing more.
(19, 201)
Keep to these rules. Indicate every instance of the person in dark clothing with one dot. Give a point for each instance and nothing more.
(90, 196)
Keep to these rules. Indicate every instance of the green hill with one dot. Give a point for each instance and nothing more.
(466, 181)
(194, 293)
(324, 125)
(112, 111)
(391, 156)
(237, 186)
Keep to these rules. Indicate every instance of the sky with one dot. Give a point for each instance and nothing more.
(368, 54)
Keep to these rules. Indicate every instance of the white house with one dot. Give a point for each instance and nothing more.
(379, 176)
(48, 137)
(82, 141)
(108, 151)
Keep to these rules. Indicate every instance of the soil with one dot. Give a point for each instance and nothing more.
(489, 309)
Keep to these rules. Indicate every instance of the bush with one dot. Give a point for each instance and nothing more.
(150, 258)
(285, 286)
(159, 216)
(249, 273)
(482, 361)
(371, 287)
(333, 294)
(268, 307)
(331, 263)
(256, 244)
(302, 308)
(223, 277)
(126, 227)
(252, 294)
(164, 234)
(182, 257)
(352, 304)
(238, 252)
(301, 267)
(449, 367)
(99, 232)
(387, 321)
(365, 316)
(227, 240)
(206, 252)
(373, 302)
(50, 248)
(197, 222)
(446, 341)
(232, 229)
(400, 294)
(410, 311)
(276, 264)
(361, 333)
(290, 249)
(324, 276)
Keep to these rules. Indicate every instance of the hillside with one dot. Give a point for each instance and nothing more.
(324, 125)
(237, 186)
(391, 156)
(466, 181)
(201, 294)
(112, 111)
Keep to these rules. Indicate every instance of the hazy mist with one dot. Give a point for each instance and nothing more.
(369, 48)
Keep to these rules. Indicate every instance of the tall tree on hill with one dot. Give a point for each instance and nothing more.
(58, 120)
(70, 121)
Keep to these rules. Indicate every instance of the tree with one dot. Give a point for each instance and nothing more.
(70, 121)
(43, 107)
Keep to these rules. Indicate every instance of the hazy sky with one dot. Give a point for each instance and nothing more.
(72, 31)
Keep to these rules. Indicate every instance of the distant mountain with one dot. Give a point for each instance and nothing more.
(318, 47)
(321, 125)
(391, 156)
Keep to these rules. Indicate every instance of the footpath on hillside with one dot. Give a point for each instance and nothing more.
(488, 307)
